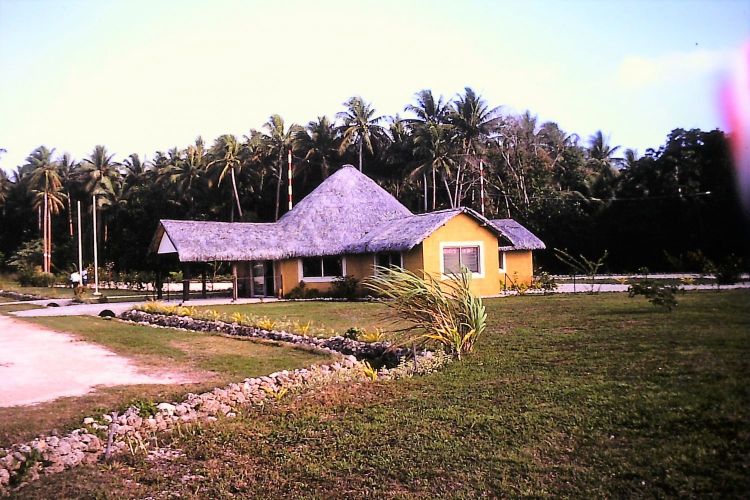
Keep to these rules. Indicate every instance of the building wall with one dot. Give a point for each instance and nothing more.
(464, 230)
(427, 256)
(519, 267)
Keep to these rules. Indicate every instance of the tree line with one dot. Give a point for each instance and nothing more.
(581, 194)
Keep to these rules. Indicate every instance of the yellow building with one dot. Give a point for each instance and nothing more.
(346, 227)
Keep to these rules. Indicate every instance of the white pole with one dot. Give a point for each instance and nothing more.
(290, 179)
(96, 251)
(80, 246)
(44, 239)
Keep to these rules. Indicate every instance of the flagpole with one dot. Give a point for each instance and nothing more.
(80, 246)
(96, 251)
(481, 183)
(290, 179)
(44, 238)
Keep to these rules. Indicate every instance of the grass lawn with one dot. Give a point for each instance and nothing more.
(17, 307)
(586, 396)
(58, 292)
(335, 317)
(209, 360)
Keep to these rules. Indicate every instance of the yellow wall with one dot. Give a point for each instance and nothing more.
(427, 256)
(519, 267)
(464, 229)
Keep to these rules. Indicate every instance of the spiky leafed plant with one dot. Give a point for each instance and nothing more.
(435, 152)
(444, 312)
(360, 127)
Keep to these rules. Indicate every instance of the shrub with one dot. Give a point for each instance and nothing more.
(441, 312)
(28, 277)
(146, 408)
(658, 294)
(298, 292)
(545, 282)
(345, 287)
(354, 333)
(729, 271)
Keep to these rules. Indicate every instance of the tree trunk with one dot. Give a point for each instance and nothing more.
(448, 190)
(360, 154)
(278, 184)
(434, 188)
(236, 195)
(70, 216)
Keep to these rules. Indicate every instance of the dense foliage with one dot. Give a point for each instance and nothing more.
(576, 194)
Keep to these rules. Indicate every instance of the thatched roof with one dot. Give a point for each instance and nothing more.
(520, 238)
(403, 234)
(348, 213)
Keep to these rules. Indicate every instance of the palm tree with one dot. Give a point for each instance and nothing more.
(102, 181)
(5, 187)
(46, 185)
(360, 127)
(434, 148)
(474, 123)
(227, 151)
(278, 141)
(429, 111)
(319, 142)
(185, 176)
(68, 169)
(600, 149)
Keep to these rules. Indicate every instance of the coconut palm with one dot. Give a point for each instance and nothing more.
(435, 151)
(278, 141)
(227, 150)
(101, 176)
(5, 187)
(600, 149)
(360, 127)
(185, 176)
(46, 185)
(474, 124)
(428, 111)
(319, 143)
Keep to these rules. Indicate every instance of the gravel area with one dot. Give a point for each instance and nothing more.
(38, 365)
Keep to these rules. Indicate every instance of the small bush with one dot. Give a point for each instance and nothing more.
(28, 277)
(298, 292)
(354, 333)
(545, 282)
(729, 271)
(659, 295)
(146, 408)
(345, 287)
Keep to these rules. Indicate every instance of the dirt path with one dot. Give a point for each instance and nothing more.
(38, 365)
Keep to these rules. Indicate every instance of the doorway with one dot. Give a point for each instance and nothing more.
(261, 278)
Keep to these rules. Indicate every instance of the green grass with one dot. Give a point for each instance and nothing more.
(584, 396)
(208, 360)
(59, 292)
(336, 317)
(17, 307)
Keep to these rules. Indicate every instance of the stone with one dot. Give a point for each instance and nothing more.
(166, 408)
(88, 421)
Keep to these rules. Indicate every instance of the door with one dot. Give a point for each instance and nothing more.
(261, 272)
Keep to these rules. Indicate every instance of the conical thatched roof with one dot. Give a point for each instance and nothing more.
(338, 212)
(348, 213)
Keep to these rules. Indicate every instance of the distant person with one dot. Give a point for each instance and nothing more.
(75, 279)
(85, 277)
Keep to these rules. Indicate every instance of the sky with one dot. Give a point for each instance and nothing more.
(140, 76)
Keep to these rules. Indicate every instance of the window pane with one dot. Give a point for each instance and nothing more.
(396, 259)
(470, 258)
(311, 267)
(332, 266)
(451, 263)
(383, 259)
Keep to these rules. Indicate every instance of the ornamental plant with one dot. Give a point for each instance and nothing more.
(445, 312)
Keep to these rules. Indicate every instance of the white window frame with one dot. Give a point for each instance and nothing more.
(502, 261)
(375, 260)
(324, 279)
(460, 244)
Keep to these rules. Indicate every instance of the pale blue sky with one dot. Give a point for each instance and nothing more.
(138, 76)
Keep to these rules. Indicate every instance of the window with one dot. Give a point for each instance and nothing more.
(455, 258)
(502, 261)
(388, 259)
(322, 267)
